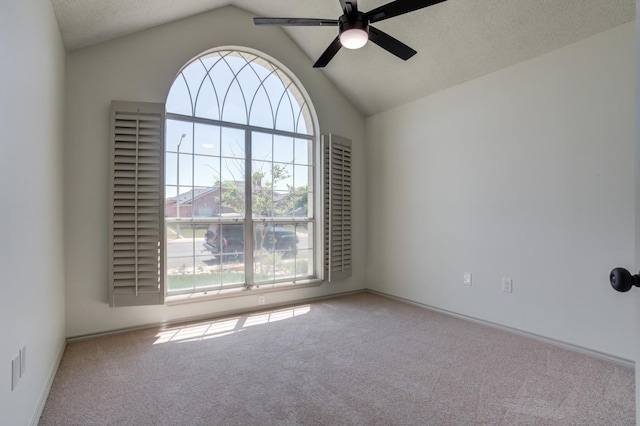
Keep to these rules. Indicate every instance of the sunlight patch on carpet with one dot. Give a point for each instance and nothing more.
(225, 327)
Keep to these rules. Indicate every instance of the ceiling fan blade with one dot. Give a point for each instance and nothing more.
(349, 7)
(398, 7)
(297, 22)
(328, 54)
(390, 44)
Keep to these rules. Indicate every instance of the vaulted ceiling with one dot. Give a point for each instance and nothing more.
(457, 40)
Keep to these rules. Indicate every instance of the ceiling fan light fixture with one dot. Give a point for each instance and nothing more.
(354, 38)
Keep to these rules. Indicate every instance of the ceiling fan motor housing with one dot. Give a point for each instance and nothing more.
(356, 21)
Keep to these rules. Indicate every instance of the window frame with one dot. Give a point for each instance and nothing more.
(249, 221)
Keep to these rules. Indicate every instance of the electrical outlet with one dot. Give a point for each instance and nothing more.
(507, 285)
(261, 300)
(467, 278)
(23, 360)
(15, 372)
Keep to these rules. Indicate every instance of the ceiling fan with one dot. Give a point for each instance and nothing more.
(354, 29)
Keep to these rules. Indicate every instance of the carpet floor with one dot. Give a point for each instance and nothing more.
(360, 359)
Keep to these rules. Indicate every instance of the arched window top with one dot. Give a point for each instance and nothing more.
(238, 86)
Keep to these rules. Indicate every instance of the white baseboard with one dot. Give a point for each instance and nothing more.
(208, 317)
(35, 419)
(575, 348)
(569, 346)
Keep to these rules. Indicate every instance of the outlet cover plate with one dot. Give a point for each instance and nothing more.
(23, 360)
(507, 285)
(467, 278)
(15, 372)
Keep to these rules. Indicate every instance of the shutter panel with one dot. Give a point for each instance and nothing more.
(136, 264)
(337, 207)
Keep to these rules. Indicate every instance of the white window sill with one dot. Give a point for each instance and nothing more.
(180, 299)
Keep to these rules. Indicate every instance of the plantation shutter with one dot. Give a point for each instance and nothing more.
(337, 207)
(136, 272)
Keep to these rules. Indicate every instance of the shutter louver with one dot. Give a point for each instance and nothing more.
(337, 207)
(136, 239)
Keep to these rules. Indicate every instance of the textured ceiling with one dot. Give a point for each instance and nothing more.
(457, 40)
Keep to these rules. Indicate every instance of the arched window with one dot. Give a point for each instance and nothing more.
(240, 175)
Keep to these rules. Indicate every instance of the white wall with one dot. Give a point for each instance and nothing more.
(637, 213)
(141, 67)
(31, 206)
(526, 173)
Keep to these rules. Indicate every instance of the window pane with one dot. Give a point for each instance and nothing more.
(303, 152)
(302, 176)
(222, 77)
(262, 189)
(170, 207)
(232, 275)
(261, 113)
(304, 232)
(180, 260)
(234, 108)
(174, 131)
(206, 171)
(261, 146)
(225, 243)
(205, 202)
(284, 267)
(274, 87)
(185, 166)
(274, 251)
(283, 190)
(261, 66)
(232, 144)
(207, 139)
(305, 124)
(259, 104)
(184, 202)
(232, 237)
(197, 261)
(283, 149)
(264, 269)
(304, 255)
(302, 197)
(207, 275)
(249, 81)
(283, 204)
(302, 204)
(170, 169)
(236, 62)
(212, 242)
(296, 109)
(179, 282)
(194, 73)
(304, 263)
(209, 101)
(232, 187)
(285, 114)
(179, 100)
(282, 177)
(170, 193)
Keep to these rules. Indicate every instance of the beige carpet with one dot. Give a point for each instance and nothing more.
(355, 360)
